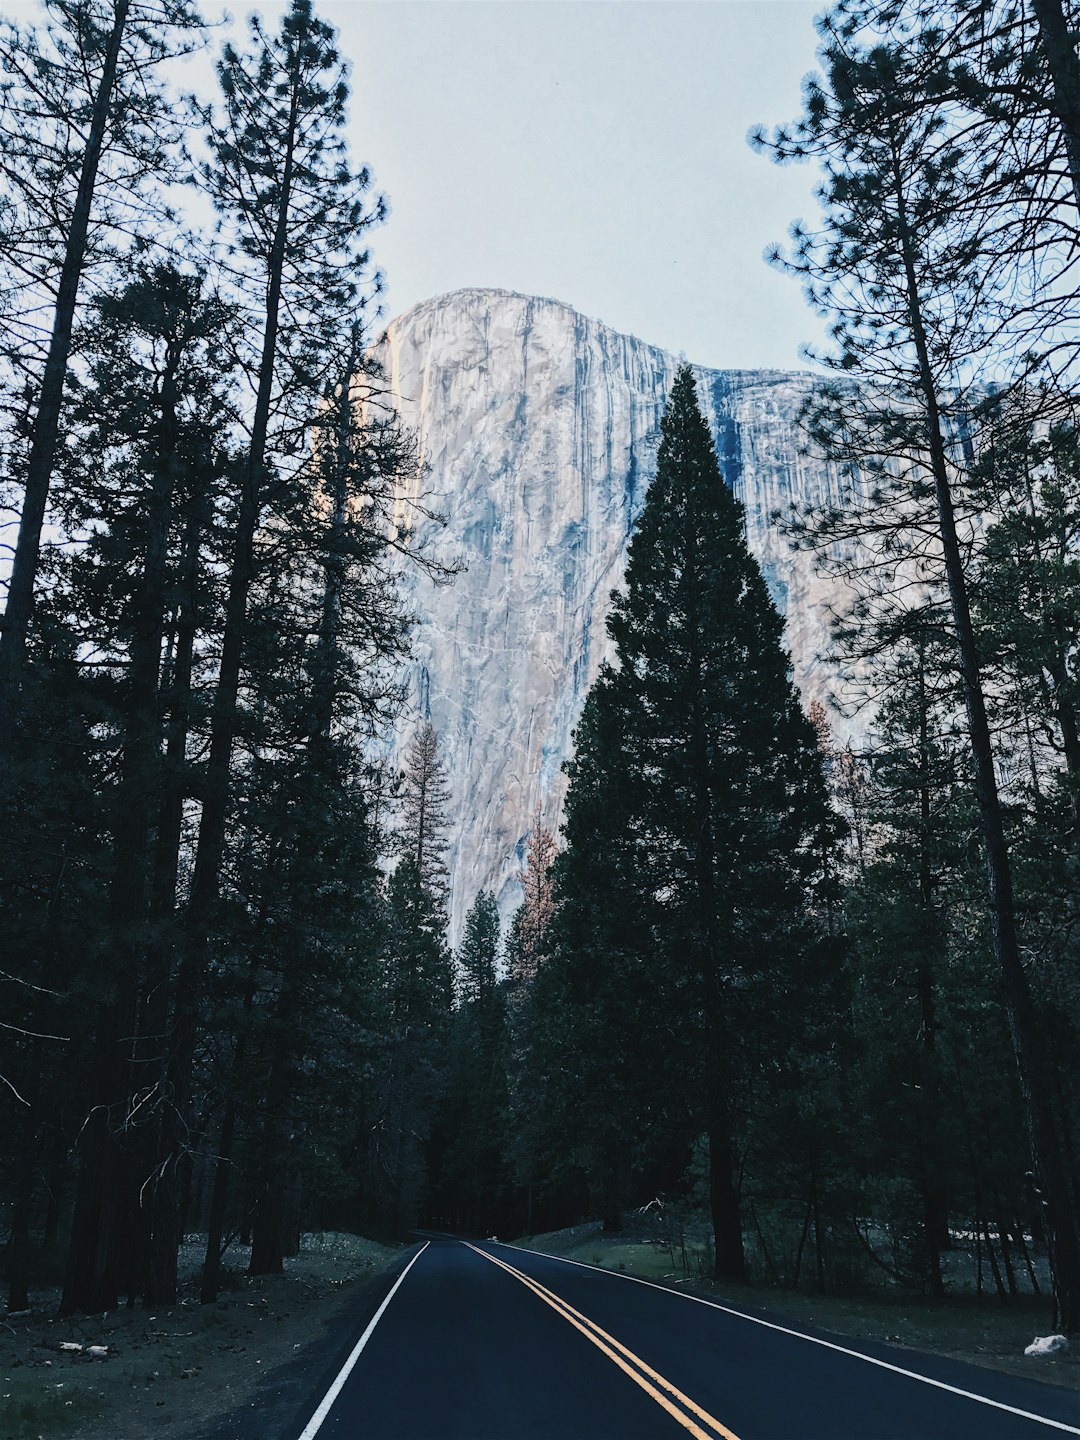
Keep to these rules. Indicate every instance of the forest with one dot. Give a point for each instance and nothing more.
(822, 998)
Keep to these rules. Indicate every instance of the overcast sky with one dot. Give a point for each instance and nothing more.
(590, 150)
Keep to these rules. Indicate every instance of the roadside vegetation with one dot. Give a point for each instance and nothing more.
(674, 1250)
(823, 999)
(179, 1371)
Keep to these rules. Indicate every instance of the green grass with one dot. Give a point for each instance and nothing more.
(34, 1406)
(979, 1330)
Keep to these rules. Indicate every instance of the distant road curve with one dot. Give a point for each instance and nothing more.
(491, 1342)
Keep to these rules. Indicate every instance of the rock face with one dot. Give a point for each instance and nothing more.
(538, 431)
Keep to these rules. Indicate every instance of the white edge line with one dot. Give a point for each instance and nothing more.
(800, 1335)
(315, 1423)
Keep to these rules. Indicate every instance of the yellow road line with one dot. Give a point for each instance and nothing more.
(609, 1345)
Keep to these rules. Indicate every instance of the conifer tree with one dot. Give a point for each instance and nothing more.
(534, 916)
(469, 1180)
(726, 803)
(602, 1061)
(328, 628)
(144, 462)
(294, 212)
(900, 915)
(87, 127)
(417, 982)
(905, 266)
(478, 953)
(424, 800)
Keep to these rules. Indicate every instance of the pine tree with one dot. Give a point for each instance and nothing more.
(905, 268)
(469, 1182)
(534, 916)
(424, 800)
(81, 99)
(1026, 591)
(478, 953)
(603, 1073)
(726, 804)
(146, 424)
(327, 624)
(294, 212)
(905, 895)
(418, 990)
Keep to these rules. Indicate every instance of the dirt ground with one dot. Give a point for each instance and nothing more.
(177, 1374)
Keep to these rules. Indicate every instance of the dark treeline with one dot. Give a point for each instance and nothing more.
(827, 994)
(821, 997)
(218, 1013)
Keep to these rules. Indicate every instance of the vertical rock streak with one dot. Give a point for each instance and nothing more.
(539, 429)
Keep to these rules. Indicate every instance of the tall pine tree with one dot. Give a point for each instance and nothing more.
(721, 776)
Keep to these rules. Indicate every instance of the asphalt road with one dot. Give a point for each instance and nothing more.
(488, 1342)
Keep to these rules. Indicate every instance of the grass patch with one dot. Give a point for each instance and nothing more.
(979, 1330)
(170, 1374)
(33, 1409)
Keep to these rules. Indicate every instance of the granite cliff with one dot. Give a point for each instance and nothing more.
(538, 431)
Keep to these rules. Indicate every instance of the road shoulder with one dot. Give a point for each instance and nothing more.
(982, 1334)
(186, 1373)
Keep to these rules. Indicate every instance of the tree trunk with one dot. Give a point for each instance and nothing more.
(1060, 51)
(1062, 1239)
(929, 1108)
(802, 1246)
(90, 1281)
(100, 1255)
(18, 1250)
(729, 1257)
(219, 1197)
(43, 445)
(1006, 1258)
(268, 1229)
(819, 1232)
(210, 848)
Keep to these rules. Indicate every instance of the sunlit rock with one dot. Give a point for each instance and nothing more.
(538, 429)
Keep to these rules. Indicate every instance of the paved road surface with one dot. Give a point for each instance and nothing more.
(488, 1342)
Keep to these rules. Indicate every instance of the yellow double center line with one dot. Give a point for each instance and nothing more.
(668, 1396)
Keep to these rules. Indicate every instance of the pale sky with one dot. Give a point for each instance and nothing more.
(590, 150)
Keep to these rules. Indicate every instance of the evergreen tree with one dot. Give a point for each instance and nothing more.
(424, 798)
(417, 995)
(327, 626)
(469, 1181)
(478, 954)
(533, 918)
(139, 467)
(604, 1065)
(87, 128)
(727, 806)
(295, 213)
(904, 267)
(1026, 592)
(900, 915)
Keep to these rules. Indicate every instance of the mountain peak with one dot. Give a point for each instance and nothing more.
(539, 427)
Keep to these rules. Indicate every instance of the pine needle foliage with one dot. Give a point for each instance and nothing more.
(697, 788)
